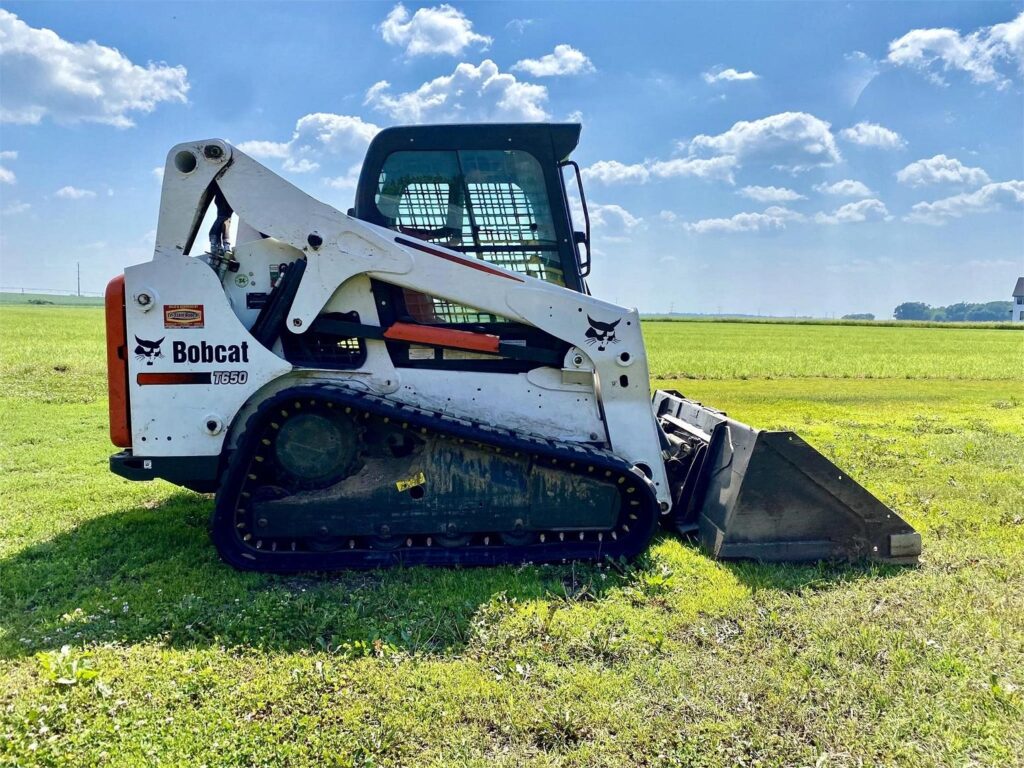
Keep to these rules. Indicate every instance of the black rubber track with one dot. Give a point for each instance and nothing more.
(638, 516)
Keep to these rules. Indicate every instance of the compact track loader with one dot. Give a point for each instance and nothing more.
(427, 379)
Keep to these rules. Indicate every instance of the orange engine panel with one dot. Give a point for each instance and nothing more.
(117, 364)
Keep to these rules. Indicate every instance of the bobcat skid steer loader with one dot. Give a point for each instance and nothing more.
(427, 379)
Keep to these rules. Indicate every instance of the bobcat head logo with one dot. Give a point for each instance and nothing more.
(148, 350)
(601, 334)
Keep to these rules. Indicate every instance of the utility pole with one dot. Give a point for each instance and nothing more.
(78, 266)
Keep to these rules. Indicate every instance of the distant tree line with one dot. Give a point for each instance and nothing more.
(954, 313)
(859, 316)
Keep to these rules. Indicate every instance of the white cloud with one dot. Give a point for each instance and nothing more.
(991, 197)
(855, 213)
(266, 150)
(614, 172)
(6, 174)
(47, 76)
(301, 165)
(470, 92)
(565, 60)
(431, 31)
(158, 173)
(941, 170)
(348, 181)
(773, 217)
(872, 135)
(16, 207)
(730, 75)
(978, 54)
(702, 168)
(667, 216)
(335, 132)
(846, 188)
(74, 193)
(770, 194)
(792, 140)
(316, 136)
(613, 216)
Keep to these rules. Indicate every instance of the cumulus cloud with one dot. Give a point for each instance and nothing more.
(336, 132)
(872, 135)
(565, 60)
(845, 188)
(668, 216)
(720, 168)
(614, 172)
(6, 174)
(941, 170)
(728, 75)
(316, 137)
(470, 92)
(771, 194)
(300, 165)
(46, 76)
(74, 193)
(348, 181)
(431, 31)
(856, 213)
(991, 197)
(791, 140)
(158, 173)
(613, 216)
(985, 54)
(773, 217)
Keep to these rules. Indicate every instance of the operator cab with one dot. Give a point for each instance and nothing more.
(493, 191)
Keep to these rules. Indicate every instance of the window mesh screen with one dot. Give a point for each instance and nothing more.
(492, 219)
(424, 206)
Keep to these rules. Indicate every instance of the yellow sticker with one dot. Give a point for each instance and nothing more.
(412, 482)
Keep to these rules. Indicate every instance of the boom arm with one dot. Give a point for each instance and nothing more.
(340, 247)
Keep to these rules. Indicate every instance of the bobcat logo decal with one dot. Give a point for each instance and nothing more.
(148, 350)
(601, 334)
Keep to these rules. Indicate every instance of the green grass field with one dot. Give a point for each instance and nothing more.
(174, 659)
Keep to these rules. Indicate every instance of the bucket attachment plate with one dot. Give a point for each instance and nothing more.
(768, 495)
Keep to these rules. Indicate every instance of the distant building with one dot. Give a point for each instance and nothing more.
(1017, 310)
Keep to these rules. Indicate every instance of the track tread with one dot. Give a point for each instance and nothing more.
(242, 556)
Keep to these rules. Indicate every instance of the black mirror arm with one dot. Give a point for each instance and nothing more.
(584, 263)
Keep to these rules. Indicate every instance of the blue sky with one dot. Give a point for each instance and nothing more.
(771, 158)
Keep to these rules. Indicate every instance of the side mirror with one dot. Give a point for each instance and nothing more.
(580, 238)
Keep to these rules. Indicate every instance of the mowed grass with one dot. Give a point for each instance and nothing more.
(695, 350)
(175, 659)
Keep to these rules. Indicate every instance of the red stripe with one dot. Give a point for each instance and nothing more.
(443, 337)
(144, 379)
(471, 263)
